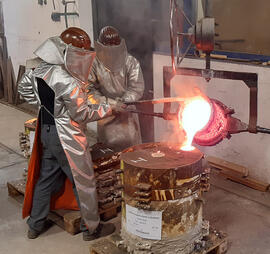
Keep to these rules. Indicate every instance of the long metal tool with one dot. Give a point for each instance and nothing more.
(157, 101)
(169, 116)
(146, 113)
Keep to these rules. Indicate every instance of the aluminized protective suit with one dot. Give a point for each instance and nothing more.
(116, 75)
(72, 111)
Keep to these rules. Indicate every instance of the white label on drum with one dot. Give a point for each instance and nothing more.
(146, 224)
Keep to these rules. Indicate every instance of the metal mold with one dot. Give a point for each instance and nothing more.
(172, 184)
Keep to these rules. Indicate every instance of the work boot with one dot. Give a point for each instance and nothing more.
(33, 234)
(101, 231)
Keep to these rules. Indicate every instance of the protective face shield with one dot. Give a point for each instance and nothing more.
(111, 49)
(78, 57)
(71, 48)
(78, 62)
(112, 57)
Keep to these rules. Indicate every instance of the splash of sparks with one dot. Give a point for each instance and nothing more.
(193, 117)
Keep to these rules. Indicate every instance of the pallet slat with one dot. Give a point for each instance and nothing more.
(104, 246)
(65, 219)
(250, 182)
(216, 243)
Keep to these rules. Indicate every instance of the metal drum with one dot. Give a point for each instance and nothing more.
(162, 207)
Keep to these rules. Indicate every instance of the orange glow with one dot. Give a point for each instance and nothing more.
(193, 117)
(91, 99)
(187, 148)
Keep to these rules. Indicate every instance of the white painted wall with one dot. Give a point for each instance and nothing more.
(86, 19)
(250, 150)
(28, 24)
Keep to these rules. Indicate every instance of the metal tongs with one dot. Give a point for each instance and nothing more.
(166, 116)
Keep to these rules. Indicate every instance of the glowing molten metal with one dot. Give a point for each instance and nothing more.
(193, 117)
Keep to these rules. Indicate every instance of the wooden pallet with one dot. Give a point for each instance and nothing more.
(237, 173)
(66, 219)
(215, 243)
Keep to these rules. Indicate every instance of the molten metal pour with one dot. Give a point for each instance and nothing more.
(194, 116)
(205, 121)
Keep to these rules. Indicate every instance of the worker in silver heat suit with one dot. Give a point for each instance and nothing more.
(66, 61)
(116, 76)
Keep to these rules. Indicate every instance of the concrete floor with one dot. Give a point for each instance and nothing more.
(242, 213)
(246, 222)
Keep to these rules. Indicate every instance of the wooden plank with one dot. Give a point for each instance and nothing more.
(3, 53)
(72, 220)
(58, 220)
(13, 82)
(228, 173)
(2, 25)
(4, 71)
(104, 246)
(215, 243)
(9, 81)
(5, 62)
(20, 74)
(67, 220)
(222, 248)
(18, 185)
(226, 165)
(12, 191)
(1, 74)
(109, 213)
(250, 182)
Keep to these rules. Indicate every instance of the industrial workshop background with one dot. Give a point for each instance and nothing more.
(241, 49)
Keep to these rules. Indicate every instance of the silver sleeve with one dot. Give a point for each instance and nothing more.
(93, 93)
(135, 85)
(96, 97)
(81, 109)
(25, 88)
